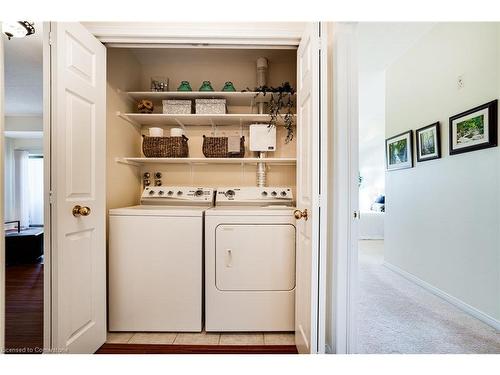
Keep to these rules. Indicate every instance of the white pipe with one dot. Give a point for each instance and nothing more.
(261, 80)
(261, 171)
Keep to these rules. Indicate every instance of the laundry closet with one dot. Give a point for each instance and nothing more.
(222, 235)
(254, 289)
(129, 72)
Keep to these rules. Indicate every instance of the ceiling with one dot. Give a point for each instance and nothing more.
(23, 75)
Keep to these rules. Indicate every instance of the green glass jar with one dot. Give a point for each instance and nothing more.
(228, 86)
(184, 86)
(206, 86)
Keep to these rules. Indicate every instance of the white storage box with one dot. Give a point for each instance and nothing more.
(177, 107)
(211, 106)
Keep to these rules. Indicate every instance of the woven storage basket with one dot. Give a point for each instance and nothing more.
(165, 147)
(216, 147)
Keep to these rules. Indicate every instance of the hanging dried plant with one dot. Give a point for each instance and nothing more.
(280, 105)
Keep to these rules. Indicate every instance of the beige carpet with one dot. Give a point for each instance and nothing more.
(398, 316)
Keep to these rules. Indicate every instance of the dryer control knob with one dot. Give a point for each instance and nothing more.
(198, 193)
(230, 193)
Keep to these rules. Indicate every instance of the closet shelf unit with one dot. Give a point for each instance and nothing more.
(200, 161)
(233, 98)
(142, 119)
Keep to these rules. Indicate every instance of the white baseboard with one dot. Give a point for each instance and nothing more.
(485, 318)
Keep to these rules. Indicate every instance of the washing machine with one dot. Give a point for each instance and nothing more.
(156, 261)
(250, 260)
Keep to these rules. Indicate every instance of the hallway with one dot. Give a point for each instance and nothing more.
(398, 316)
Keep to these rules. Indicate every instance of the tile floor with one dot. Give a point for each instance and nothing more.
(202, 338)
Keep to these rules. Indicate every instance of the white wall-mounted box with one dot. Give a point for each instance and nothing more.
(262, 137)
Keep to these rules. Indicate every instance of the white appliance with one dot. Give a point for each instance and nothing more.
(262, 137)
(156, 261)
(250, 260)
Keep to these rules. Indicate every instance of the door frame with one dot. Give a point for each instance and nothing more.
(47, 173)
(345, 188)
(2, 234)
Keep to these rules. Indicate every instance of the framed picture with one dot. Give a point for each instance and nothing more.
(428, 142)
(399, 151)
(474, 129)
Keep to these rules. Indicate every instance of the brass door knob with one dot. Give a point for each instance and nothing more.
(300, 214)
(81, 211)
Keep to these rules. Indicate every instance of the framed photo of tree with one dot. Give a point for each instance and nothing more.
(399, 151)
(428, 142)
(474, 129)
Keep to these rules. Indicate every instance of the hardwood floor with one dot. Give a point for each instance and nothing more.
(195, 349)
(24, 308)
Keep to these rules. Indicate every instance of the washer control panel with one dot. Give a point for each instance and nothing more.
(171, 195)
(254, 196)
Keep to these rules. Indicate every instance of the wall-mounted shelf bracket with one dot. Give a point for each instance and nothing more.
(179, 122)
(126, 95)
(129, 120)
(127, 162)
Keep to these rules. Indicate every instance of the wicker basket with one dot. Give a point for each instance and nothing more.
(165, 147)
(216, 147)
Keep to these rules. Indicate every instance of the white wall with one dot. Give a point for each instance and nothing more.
(443, 216)
(24, 123)
(371, 136)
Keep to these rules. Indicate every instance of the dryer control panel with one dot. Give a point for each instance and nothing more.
(177, 195)
(254, 196)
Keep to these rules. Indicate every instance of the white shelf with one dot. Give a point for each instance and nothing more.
(192, 161)
(235, 98)
(140, 119)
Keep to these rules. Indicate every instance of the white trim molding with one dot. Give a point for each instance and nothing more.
(47, 254)
(198, 33)
(344, 169)
(485, 318)
(2, 235)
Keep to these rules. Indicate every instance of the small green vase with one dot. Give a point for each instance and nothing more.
(228, 86)
(206, 86)
(184, 86)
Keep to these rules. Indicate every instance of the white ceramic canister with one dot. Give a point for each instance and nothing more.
(176, 132)
(155, 132)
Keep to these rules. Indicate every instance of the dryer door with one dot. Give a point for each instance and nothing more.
(255, 257)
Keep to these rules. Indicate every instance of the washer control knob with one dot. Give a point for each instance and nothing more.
(283, 193)
(198, 193)
(179, 192)
(230, 193)
(274, 194)
(170, 192)
(161, 192)
(264, 193)
(151, 192)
